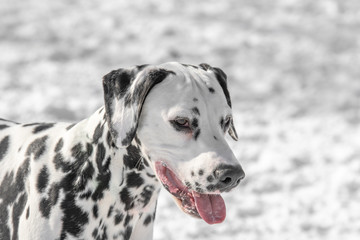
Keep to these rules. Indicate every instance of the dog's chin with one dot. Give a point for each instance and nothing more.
(209, 207)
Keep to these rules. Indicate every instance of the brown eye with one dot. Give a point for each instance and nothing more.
(181, 124)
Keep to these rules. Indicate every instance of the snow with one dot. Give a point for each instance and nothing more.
(293, 72)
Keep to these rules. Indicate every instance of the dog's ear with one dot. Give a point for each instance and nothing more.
(232, 131)
(222, 79)
(125, 91)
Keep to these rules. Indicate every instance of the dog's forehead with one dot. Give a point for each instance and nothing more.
(190, 88)
(192, 79)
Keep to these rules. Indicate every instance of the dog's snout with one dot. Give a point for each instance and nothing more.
(228, 177)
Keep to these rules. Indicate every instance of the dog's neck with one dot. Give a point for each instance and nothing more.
(122, 177)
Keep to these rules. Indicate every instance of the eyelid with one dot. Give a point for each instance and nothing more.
(182, 118)
(179, 127)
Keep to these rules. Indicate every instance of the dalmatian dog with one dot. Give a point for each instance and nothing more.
(100, 178)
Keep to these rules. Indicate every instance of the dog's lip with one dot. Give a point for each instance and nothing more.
(209, 207)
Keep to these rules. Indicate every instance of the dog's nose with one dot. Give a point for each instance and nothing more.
(228, 177)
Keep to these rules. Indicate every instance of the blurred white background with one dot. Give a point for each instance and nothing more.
(293, 69)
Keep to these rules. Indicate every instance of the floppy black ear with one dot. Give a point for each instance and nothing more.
(125, 91)
(222, 80)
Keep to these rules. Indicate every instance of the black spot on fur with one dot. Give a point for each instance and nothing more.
(21, 175)
(50, 201)
(210, 178)
(205, 66)
(195, 99)
(74, 218)
(196, 111)
(222, 124)
(42, 127)
(59, 145)
(103, 184)
(132, 158)
(210, 187)
(110, 211)
(127, 220)
(43, 179)
(87, 171)
(199, 190)
(104, 175)
(151, 175)
(89, 149)
(134, 179)
(11, 194)
(104, 234)
(86, 195)
(215, 137)
(45, 207)
(129, 136)
(147, 220)
(4, 216)
(54, 194)
(118, 218)
(37, 147)
(12, 185)
(100, 155)
(59, 162)
(3, 126)
(98, 133)
(70, 126)
(146, 194)
(95, 211)
(211, 90)
(189, 65)
(18, 209)
(30, 124)
(27, 212)
(137, 140)
(109, 140)
(4, 145)
(201, 172)
(95, 233)
(196, 134)
(127, 233)
(127, 199)
(195, 123)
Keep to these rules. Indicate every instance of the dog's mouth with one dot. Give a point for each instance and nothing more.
(209, 207)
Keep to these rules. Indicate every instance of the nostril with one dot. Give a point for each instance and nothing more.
(227, 180)
(228, 177)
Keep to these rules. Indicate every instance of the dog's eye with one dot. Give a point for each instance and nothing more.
(181, 124)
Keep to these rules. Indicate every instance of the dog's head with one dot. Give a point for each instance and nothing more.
(181, 114)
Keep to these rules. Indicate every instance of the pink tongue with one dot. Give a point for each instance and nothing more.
(211, 207)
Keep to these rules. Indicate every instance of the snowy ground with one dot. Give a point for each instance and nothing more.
(293, 70)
